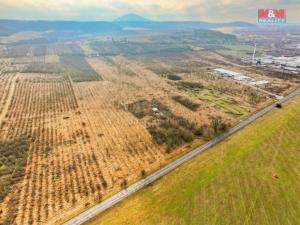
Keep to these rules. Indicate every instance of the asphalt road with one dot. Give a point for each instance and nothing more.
(95, 210)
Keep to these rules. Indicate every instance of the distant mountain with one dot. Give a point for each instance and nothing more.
(239, 24)
(131, 18)
(179, 24)
(8, 27)
(134, 20)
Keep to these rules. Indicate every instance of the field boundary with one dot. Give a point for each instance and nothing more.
(118, 197)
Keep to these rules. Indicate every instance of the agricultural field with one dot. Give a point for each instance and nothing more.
(5, 86)
(226, 29)
(221, 101)
(59, 162)
(84, 115)
(250, 178)
(20, 36)
(77, 141)
(239, 51)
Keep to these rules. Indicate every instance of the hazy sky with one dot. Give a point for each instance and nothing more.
(206, 10)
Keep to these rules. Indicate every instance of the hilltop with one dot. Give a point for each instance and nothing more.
(132, 18)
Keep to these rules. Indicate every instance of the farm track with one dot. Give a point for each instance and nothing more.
(8, 100)
(113, 200)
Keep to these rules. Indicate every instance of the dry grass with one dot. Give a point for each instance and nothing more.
(250, 178)
(83, 143)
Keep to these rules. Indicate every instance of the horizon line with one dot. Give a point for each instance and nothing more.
(149, 21)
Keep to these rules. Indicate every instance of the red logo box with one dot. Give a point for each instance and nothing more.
(271, 15)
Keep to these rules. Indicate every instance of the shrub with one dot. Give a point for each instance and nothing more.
(158, 135)
(171, 134)
(139, 108)
(167, 124)
(186, 102)
(124, 184)
(216, 127)
(188, 125)
(187, 85)
(177, 137)
(173, 77)
(143, 173)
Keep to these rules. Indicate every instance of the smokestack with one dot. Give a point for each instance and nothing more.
(253, 56)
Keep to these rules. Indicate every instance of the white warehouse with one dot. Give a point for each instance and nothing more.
(239, 77)
(226, 73)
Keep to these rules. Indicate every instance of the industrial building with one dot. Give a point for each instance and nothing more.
(239, 77)
(291, 64)
(226, 73)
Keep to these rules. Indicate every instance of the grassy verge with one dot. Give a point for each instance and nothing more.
(250, 178)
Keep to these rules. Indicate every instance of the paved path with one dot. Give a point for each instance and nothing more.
(8, 100)
(95, 210)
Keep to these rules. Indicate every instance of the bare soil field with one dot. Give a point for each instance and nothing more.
(20, 36)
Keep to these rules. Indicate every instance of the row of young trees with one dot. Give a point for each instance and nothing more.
(26, 143)
(75, 154)
(5, 85)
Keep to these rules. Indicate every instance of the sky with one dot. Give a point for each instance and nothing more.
(165, 10)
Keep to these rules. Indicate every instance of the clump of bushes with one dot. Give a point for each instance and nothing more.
(170, 134)
(12, 163)
(124, 184)
(186, 102)
(158, 135)
(174, 131)
(142, 108)
(215, 128)
(170, 129)
(187, 85)
(189, 125)
(254, 98)
(139, 108)
(173, 77)
(143, 173)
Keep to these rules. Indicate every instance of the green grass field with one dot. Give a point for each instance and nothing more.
(85, 46)
(253, 177)
(240, 50)
(221, 101)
